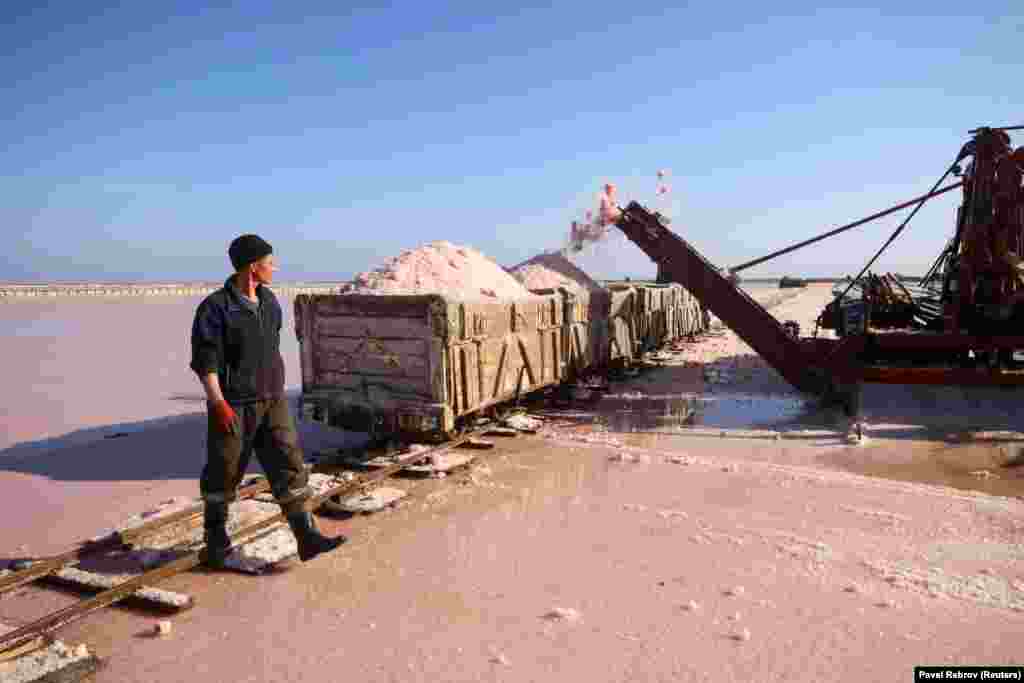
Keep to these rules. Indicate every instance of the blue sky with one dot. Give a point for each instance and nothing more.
(138, 142)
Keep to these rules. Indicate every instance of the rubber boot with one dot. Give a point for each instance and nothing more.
(311, 541)
(215, 534)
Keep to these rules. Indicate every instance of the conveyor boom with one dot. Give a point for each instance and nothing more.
(681, 263)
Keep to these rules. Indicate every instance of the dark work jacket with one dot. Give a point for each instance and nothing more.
(243, 348)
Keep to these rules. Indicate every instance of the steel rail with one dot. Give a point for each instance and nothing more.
(48, 624)
(114, 541)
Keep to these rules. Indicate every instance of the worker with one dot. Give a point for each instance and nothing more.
(236, 353)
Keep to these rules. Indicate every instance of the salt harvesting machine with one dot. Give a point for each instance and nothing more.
(960, 325)
(423, 364)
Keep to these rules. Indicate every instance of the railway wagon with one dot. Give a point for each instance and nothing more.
(388, 364)
(600, 326)
(685, 314)
(622, 340)
(662, 313)
(417, 364)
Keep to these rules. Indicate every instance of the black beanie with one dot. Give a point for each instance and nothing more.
(246, 249)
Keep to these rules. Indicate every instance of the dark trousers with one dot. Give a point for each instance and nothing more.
(267, 428)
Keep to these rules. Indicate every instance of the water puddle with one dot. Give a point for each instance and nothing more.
(677, 412)
(39, 327)
(993, 468)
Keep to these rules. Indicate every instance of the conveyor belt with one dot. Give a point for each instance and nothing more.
(681, 263)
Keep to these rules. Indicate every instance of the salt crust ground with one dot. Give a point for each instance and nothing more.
(693, 560)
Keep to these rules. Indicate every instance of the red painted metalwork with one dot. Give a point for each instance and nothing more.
(987, 262)
(990, 227)
(878, 374)
(925, 341)
(681, 263)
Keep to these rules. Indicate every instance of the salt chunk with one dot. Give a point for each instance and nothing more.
(742, 635)
(735, 591)
(163, 628)
(691, 606)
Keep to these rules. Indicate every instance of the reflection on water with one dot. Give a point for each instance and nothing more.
(39, 327)
(693, 410)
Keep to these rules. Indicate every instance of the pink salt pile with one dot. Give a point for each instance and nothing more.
(551, 270)
(441, 268)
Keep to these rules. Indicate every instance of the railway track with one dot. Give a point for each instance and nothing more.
(38, 633)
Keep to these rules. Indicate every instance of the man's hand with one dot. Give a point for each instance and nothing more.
(225, 415)
(227, 418)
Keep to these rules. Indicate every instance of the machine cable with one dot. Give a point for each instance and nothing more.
(895, 234)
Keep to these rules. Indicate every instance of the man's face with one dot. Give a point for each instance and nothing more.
(263, 270)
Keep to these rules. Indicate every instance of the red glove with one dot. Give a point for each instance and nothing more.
(226, 417)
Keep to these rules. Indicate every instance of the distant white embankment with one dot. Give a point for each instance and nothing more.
(10, 291)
